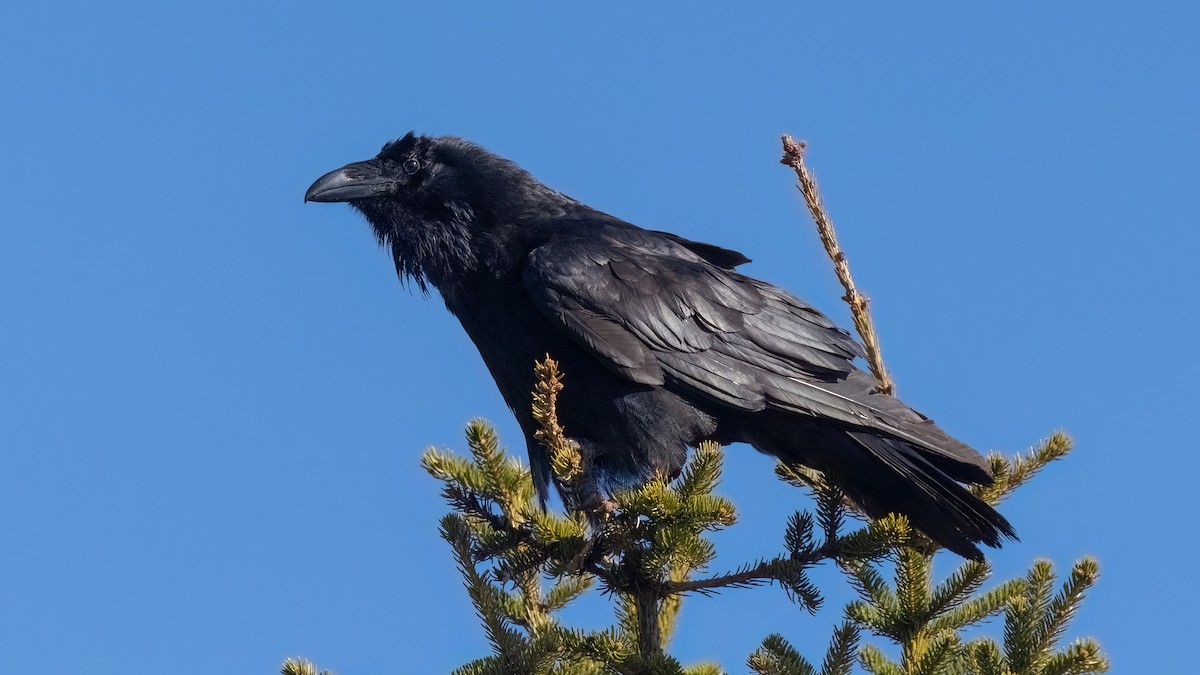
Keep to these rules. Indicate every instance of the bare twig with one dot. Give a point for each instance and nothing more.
(793, 156)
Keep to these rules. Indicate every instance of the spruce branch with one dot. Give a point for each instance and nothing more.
(790, 571)
(1010, 474)
(793, 156)
(490, 601)
(453, 470)
(874, 661)
(703, 472)
(564, 591)
(704, 669)
(503, 542)
(933, 655)
(925, 621)
(1066, 602)
(840, 657)
(1023, 619)
(1037, 618)
(644, 542)
(784, 570)
(1083, 657)
(978, 608)
(958, 587)
(877, 540)
(913, 583)
(300, 666)
(777, 656)
(985, 658)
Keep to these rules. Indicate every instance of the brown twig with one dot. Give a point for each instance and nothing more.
(793, 156)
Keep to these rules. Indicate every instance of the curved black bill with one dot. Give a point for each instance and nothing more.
(359, 180)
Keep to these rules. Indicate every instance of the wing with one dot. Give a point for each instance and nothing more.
(661, 311)
(657, 311)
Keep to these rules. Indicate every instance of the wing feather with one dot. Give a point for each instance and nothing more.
(660, 312)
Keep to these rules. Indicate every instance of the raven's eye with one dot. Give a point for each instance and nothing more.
(411, 166)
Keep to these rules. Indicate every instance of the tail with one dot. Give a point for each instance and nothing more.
(904, 480)
(888, 475)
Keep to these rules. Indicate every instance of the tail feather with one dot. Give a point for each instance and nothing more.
(934, 502)
(885, 475)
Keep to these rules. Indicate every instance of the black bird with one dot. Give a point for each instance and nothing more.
(666, 343)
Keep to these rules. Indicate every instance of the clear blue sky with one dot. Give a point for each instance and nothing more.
(213, 396)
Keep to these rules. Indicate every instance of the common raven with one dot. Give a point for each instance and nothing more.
(668, 345)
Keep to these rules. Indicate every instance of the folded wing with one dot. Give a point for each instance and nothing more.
(662, 310)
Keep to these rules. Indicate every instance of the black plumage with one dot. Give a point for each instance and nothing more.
(665, 342)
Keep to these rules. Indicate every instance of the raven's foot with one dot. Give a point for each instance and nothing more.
(598, 517)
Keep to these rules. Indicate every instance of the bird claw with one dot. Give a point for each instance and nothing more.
(598, 516)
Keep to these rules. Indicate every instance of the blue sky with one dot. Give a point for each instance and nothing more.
(213, 396)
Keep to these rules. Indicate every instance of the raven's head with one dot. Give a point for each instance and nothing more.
(440, 204)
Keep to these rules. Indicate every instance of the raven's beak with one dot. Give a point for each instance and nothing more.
(353, 181)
